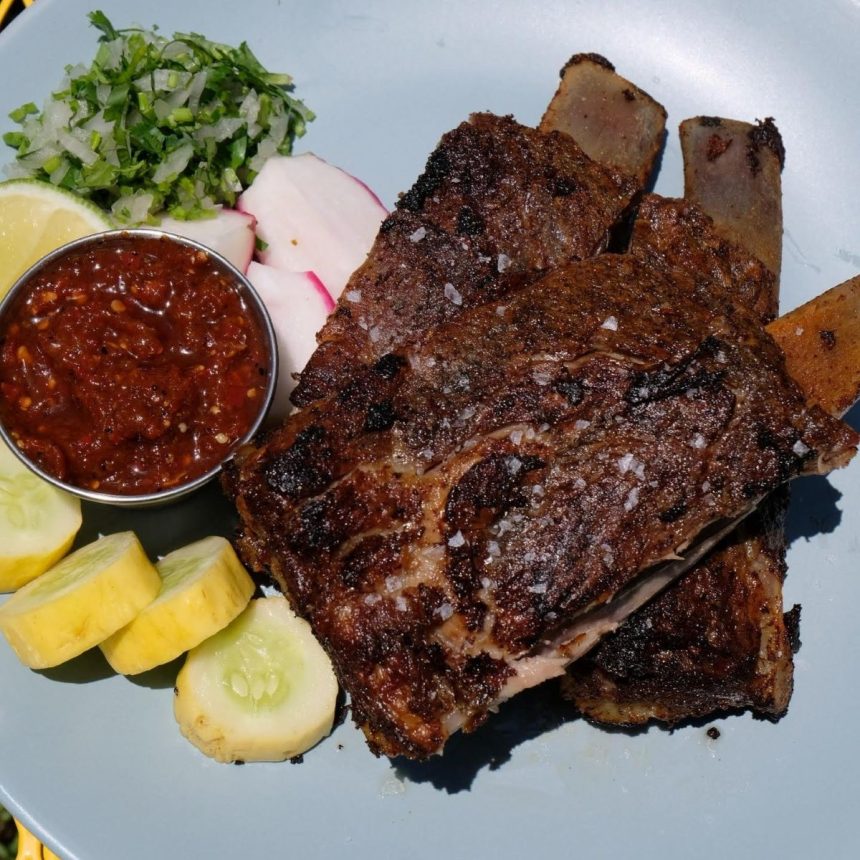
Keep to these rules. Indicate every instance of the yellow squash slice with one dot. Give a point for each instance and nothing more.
(204, 587)
(79, 602)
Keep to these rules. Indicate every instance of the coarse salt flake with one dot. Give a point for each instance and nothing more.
(632, 499)
(800, 449)
(453, 294)
(516, 436)
(503, 262)
(444, 611)
(626, 463)
(418, 235)
(698, 441)
(610, 323)
(456, 540)
(513, 465)
(467, 413)
(581, 424)
(608, 555)
(353, 296)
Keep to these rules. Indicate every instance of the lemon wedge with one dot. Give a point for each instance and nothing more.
(262, 689)
(79, 602)
(36, 218)
(37, 522)
(204, 587)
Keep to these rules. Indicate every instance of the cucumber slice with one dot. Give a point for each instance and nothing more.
(204, 587)
(80, 601)
(38, 522)
(262, 689)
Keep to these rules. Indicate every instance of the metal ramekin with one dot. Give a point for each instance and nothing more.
(255, 304)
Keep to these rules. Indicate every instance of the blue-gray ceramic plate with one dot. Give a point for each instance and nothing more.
(95, 764)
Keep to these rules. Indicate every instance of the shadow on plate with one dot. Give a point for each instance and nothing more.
(813, 509)
(90, 666)
(529, 715)
(162, 530)
(161, 677)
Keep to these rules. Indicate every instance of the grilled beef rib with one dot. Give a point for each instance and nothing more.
(464, 507)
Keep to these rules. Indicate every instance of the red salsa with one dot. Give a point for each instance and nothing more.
(131, 366)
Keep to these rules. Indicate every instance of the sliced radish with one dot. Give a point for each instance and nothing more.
(230, 233)
(313, 217)
(298, 304)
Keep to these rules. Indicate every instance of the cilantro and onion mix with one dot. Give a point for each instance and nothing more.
(155, 124)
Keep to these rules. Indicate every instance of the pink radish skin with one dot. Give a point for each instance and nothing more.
(298, 304)
(320, 287)
(230, 233)
(313, 217)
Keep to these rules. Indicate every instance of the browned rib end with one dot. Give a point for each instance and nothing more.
(732, 172)
(613, 120)
(821, 342)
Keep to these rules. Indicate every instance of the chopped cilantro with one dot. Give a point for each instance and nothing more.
(158, 125)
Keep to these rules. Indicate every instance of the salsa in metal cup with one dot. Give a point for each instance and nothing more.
(131, 365)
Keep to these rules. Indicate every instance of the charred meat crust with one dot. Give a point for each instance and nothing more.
(464, 534)
(717, 640)
(679, 235)
(576, 59)
(497, 205)
(765, 134)
(714, 641)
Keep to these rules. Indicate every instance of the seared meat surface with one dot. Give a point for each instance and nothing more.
(717, 639)
(495, 465)
(497, 205)
(447, 519)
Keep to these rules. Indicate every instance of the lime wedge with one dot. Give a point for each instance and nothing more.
(37, 217)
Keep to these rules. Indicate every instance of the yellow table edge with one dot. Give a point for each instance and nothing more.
(30, 848)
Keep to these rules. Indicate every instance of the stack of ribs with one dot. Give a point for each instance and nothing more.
(509, 439)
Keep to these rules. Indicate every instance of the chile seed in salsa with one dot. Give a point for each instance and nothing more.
(131, 365)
